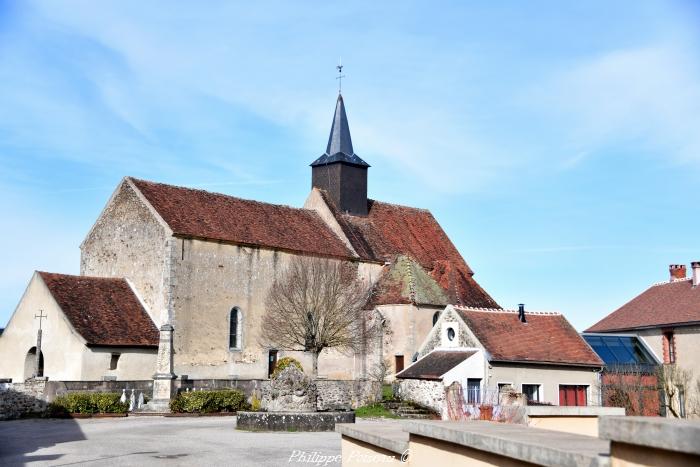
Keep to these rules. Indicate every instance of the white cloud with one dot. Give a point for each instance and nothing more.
(645, 98)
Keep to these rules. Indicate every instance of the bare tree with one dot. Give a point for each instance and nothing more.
(634, 387)
(318, 304)
(675, 383)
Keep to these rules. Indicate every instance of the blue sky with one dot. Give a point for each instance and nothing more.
(558, 144)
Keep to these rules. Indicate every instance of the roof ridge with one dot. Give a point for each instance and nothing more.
(82, 276)
(216, 193)
(672, 281)
(396, 205)
(505, 310)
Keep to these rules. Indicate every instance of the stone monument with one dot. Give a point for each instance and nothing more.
(290, 404)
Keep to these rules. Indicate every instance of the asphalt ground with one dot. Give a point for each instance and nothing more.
(170, 441)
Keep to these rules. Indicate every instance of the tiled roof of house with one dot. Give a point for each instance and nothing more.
(545, 338)
(435, 364)
(405, 281)
(665, 304)
(389, 230)
(105, 311)
(198, 213)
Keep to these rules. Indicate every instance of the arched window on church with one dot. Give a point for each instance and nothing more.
(235, 330)
(435, 317)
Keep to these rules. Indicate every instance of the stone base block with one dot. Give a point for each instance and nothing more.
(292, 421)
(156, 406)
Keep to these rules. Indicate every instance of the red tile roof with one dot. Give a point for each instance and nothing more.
(665, 304)
(389, 230)
(405, 281)
(435, 364)
(545, 338)
(104, 311)
(198, 213)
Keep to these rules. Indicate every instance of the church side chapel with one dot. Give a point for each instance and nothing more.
(173, 280)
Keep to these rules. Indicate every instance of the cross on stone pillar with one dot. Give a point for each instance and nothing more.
(38, 371)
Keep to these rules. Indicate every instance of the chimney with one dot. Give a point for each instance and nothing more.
(696, 272)
(521, 313)
(677, 271)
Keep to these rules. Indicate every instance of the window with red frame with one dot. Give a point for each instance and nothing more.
(573, 395)
(670, 344)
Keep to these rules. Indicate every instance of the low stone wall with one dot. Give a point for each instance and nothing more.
(32, 396)
(346, 394)
(20, 399)
(427, 393)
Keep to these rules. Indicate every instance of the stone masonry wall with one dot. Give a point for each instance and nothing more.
(19, 399)
(345, 395)
(426, 393)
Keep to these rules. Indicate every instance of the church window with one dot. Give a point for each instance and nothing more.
(235, 328)
(435, 317)
(114, 361)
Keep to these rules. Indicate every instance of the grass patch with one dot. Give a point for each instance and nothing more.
(387, 392)
(374, 411)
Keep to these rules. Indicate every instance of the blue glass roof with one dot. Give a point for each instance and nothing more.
(620, 350)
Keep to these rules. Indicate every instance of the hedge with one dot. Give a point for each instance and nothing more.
(226, 400)
(87, 403)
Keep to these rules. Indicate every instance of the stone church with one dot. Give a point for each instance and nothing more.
(174, 280)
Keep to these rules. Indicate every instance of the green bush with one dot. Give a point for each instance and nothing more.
(226, 400)
(283, 363)
(87, 403)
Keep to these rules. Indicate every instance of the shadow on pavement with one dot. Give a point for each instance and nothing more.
(21, 438)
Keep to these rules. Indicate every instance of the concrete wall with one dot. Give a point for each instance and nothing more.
(548, 376)
(128, 240)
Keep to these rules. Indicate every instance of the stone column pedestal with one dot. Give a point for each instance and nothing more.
(164, 377)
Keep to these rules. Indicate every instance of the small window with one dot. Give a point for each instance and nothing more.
(436, 316)
(450, 334)
(532, 392)
(681, 401)
(670, 344)
(114, 361)
(473, 391)
(235, 328)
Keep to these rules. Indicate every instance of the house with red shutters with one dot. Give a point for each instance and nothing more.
(487, 351)
(666, 316)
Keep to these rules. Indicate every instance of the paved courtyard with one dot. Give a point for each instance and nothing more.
(156, 441)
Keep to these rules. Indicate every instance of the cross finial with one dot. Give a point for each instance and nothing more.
(340, 77)
(41, 316)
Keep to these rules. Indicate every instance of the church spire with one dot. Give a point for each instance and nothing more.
(340, 172)
(339, 148)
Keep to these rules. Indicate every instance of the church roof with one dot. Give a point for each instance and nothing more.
(545, 338)
(389, 230)
(405, 281)
(104, 311)
(339, 148)
(198, 213)
(665, 304)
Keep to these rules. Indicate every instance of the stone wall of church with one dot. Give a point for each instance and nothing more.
(19, 399)
(209, 282)
(129, 241)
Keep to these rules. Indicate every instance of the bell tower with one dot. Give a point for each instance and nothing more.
(340, 172)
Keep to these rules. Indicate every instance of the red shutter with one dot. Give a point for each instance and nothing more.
(562, 395)
(580, 395)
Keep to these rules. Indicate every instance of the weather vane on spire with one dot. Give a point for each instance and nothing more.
(340, 77)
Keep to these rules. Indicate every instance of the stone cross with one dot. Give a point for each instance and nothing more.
(41, 316)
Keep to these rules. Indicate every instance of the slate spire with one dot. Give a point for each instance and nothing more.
(339, 148)
(339, 172)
